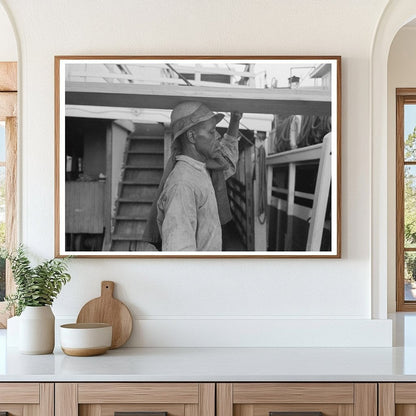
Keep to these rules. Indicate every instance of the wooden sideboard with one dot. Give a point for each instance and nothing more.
(105, 399)
(208, 399)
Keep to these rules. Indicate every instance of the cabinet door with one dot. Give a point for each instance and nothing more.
(297, 399)
(26, 399)
(397, 399)
(141, 399)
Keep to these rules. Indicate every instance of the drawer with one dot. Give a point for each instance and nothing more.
(144, 399)
(397, 399)
(21, 399)
(297, 399)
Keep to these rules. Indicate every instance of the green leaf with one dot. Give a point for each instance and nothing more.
(35, 286)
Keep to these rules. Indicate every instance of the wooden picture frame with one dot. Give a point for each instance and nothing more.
(8, 117)
(114, 135)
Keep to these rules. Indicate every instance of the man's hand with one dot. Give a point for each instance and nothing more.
(236, 116)
(234, 123)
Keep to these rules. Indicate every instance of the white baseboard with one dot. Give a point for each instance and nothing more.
(255, 332)
(261, 333)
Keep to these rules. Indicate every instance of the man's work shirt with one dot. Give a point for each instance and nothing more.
(187, 212)
(229, 150)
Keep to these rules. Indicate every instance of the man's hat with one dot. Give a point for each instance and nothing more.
(189, 113)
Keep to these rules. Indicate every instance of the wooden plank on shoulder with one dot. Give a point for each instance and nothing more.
(245, 100)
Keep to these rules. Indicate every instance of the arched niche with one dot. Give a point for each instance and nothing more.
(401, 74)
(396, 15)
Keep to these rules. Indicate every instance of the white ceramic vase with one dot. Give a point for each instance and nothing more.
(37, 330)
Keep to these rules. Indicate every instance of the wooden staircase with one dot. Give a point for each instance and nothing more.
(143, 169)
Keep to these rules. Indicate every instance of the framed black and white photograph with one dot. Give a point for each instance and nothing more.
(198, 156)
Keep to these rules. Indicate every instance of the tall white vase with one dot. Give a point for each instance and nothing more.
(37, 330)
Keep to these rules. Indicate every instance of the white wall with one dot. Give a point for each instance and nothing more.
(202, 302)
(8, 46)
(401, 74)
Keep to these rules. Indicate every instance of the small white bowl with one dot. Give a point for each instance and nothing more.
(83, 340)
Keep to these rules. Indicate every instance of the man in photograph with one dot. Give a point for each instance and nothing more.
(193, 204)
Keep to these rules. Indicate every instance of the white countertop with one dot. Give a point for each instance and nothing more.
(215, 364)
(222, 364)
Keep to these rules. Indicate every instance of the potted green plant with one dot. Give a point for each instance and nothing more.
(36, 289)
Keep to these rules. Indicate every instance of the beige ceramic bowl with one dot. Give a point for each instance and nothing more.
(84, 340)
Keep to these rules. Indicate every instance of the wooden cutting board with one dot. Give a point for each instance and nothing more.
(108, 310)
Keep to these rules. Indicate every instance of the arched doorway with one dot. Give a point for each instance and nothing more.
(396, 15)
(401, 123)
